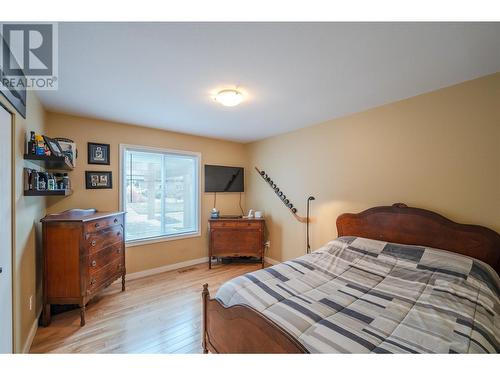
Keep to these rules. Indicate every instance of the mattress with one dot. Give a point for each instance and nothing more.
(356, 295)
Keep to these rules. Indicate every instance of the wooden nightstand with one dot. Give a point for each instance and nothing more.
(235, 238)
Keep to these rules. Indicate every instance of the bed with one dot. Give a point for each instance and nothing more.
(398, 279)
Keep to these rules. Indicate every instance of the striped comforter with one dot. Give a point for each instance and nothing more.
(356, 295)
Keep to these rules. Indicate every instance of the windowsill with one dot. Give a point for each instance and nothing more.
(171, 237)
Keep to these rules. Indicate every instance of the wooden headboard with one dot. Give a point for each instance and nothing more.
(414, 226)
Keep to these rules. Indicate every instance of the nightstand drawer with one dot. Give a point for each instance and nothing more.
(240, 224)
(232, 242)
(249, 224)
(222, 224)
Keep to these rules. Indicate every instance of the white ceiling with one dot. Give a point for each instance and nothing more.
(295, 74)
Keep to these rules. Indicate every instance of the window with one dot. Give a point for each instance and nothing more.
(160, 193)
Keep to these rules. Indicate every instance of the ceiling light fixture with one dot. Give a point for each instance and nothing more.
(229, 97)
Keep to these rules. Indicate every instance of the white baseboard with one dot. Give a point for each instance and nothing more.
(31, 335)
(168, 267)
(271, 261)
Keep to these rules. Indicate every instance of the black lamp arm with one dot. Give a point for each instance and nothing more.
(309, 199)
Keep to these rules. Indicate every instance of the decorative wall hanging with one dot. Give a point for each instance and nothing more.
(279, 193)
(15, 95)
(98, 180)
(69, 149)
(98, 153)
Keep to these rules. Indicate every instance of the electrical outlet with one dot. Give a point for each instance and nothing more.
(31, 302)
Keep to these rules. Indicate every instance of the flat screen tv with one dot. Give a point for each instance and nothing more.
(223, 179)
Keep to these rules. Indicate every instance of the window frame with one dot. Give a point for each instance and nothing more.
(122, 191)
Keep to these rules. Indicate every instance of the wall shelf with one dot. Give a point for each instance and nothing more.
(47, 193)
(50, 162)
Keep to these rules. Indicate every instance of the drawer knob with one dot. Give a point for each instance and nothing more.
(94, 263)
(118, 251)
(97, 225)
(115, 221)
(93, 243)
(92, 281)
(118, 233)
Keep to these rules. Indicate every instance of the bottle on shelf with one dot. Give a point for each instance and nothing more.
(35, 180)
(59, 181)
(42, 180)
(66, 182)
(31, 149)
(27, 178)
(51, 182)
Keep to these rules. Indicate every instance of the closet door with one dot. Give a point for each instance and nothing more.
(5, 231)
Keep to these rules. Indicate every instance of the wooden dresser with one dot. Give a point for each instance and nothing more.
(235, 238)
(84, 252)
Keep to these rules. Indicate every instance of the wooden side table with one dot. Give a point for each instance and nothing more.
(236, 238)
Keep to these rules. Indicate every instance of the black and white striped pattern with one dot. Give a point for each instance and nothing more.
(356, 295)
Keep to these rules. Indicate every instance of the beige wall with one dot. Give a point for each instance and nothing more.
(83, 130)
(439, 151)
(28, 212)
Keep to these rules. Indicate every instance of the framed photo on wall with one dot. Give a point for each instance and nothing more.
(53, 146)
(68, 147)
(98, 180)
(98, 153)
(15, 95)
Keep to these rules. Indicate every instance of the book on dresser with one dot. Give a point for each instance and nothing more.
(84, 252)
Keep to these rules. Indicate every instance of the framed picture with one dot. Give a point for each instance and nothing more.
(98, 180)
(69, 149)
(98, 153)
(53, 145)
(15, 95)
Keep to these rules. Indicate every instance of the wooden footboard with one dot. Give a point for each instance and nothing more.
(241, 329)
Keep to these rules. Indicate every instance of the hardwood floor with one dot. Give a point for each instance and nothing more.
(156, 314)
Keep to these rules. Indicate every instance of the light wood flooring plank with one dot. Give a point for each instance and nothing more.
(156, 314)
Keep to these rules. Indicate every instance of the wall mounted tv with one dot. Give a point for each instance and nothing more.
(223, 179)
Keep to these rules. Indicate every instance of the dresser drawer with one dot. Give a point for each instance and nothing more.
(100, 224)
(105, 275)
(250, 224)
(103, 257)
(240, 224)
(236, 242)
(222, 224)
(103, 238)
